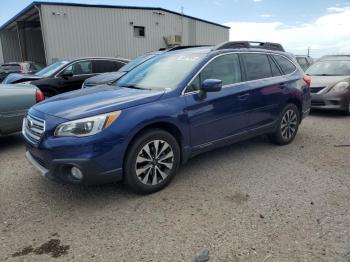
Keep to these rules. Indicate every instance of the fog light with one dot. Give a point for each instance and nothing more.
(76, 173)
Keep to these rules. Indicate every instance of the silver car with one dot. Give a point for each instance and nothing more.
(330, 83)
(15, 100)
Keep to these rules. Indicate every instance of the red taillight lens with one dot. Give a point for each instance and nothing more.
(307, 80)
(39, 96)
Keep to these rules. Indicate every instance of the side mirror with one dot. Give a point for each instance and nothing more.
(66, 75)
(209, 85)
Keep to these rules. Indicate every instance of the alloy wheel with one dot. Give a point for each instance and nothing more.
(154, 162)
(289, 124)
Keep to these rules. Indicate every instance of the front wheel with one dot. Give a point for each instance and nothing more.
(151, 161)
(287, 127)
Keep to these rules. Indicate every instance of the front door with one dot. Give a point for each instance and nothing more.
(221, 114)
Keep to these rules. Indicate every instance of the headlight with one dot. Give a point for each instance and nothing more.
(87, 126)
(340, 87)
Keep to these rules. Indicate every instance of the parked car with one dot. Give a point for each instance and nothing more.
(67, 75)
(165, 111)
(110, 78)
(330, 84)
(304, 61)
(15, 100)
(22, 68)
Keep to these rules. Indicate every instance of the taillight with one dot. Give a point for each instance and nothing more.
(39, 96)
(23, 72)
(307, 80)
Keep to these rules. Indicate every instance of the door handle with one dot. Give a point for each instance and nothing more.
(244, 97)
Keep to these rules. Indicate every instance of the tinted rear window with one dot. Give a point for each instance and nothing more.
(287, 66)
(257, 66)
(104, 66)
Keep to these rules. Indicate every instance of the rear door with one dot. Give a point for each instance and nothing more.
(221, 114)
(266, 85)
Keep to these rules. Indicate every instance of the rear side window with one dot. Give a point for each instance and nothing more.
(225, 68)
(105, 66)
(287, 66)
(257, 66)
(274, 69)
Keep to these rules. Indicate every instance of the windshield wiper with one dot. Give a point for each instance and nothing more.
(135, 87)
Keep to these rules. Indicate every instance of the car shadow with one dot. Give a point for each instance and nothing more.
(327, 113)
(108, 194)
(9, 141)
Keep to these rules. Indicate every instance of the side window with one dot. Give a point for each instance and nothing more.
(79, 68)
(225, 68)
(105, 66)
(286, 66)
(116, 65)
(257, 66)
(274, 68)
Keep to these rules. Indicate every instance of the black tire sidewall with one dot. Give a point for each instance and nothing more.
(277, 136)
(130, 176)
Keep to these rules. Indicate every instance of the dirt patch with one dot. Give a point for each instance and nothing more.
(237, 198)
(53, 247)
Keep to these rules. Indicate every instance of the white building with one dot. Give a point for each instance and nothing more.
(44, 32)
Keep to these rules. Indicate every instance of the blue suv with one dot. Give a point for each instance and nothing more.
(165, 111)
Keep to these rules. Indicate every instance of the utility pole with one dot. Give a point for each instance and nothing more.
(308, 51)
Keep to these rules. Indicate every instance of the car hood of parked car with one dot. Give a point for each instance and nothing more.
(103, 78)
(96, 100)
(327, 81)
(14, 78)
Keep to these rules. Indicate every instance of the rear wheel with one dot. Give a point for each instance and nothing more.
(151, 161)
(288, 125)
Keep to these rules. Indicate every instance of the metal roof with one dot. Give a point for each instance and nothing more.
(39, 3)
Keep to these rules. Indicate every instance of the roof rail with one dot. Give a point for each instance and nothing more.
(249, 44)
(180, 47)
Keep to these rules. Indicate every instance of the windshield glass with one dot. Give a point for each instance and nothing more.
(329, 68)
(49, 70)
(164, 71)
(135, 62)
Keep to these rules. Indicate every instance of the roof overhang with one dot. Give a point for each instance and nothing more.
(30, 10)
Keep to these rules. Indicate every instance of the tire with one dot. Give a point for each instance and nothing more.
(347, 111)
(287, 127)
(142, 161)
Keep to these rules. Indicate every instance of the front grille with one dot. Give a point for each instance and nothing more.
(316, 89)
(33, 128)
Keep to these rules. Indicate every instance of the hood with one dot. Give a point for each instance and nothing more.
(96, 100)
(103, 79)
(327, 81)
(14, 78)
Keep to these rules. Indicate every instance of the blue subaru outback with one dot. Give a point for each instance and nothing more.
(165, 111)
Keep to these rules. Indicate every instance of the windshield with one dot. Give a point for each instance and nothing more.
(329, 68)
(135, 62)
(49, 70)
(160, 72)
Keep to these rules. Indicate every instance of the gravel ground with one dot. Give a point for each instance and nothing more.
(252, 201)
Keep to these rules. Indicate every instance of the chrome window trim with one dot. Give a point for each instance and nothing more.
(239, 83)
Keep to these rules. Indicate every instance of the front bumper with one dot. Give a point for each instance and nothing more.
(59, 171)
(329, 101)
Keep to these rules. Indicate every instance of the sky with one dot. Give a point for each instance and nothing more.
(322, 25)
